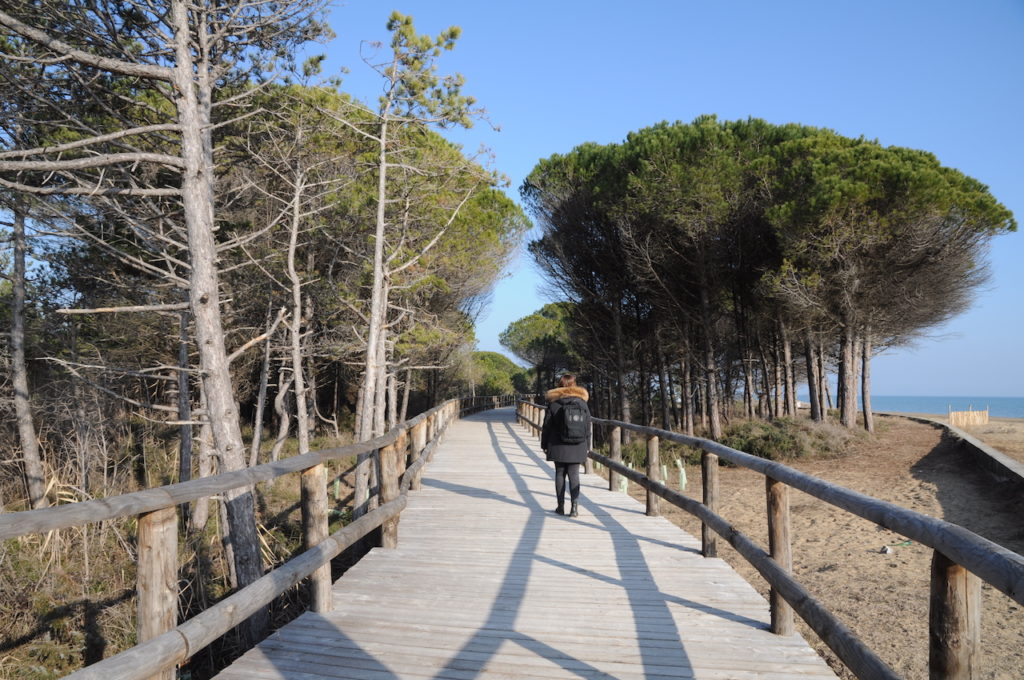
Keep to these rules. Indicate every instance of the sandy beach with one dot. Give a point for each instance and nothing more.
(883, 596)
(1005, 434)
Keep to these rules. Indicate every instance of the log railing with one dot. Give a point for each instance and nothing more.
(960, 561)
(403, 452)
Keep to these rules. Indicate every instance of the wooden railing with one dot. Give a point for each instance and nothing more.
(960, 558)
(403, 452)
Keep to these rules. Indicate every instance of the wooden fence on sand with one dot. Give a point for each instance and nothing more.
(968, 417)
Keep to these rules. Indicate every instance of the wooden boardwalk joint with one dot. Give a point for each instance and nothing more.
(488, 583)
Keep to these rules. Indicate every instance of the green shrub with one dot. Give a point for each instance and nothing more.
(634, 453)
(786, 439)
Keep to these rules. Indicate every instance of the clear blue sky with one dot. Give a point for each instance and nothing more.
(943, 76)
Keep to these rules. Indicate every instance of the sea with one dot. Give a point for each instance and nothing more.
(999, 407)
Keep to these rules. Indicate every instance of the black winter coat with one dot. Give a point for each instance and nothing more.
(551, 434)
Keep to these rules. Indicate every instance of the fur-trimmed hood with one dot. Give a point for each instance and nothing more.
(562, 392)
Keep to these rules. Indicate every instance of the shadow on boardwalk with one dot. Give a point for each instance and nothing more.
(487, 582)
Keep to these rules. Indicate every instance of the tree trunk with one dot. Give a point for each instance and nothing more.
(787, 366)
(281, 411)
(748, 383)
(673, 399)
(378, 312)
(360, 400)
(710, 365)
(777, 395)
(687, 397)
(184, 404)
(644, 390)
(261, 401)
(847, 391)
(824, 398)
(33, 462)
(620, 373)
(766, 373)
(813, 379)
(380, 391)
(298, 378)
(406, 389)
(201, 514)
(392, 400)
(83, 429)
(663, 391)
(197, 194)
(865, 382)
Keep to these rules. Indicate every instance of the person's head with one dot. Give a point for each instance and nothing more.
(567, 380)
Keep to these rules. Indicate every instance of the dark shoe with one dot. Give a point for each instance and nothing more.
(572, 511)
(560, 510)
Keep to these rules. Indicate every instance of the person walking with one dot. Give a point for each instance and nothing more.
(565, 437)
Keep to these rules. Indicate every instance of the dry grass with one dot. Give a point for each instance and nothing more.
(67, 598)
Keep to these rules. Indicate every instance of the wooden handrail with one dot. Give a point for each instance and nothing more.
(1000, 567)
(17, 524)
(855, 654)
(955, 593)
(162, 645)
(13, 525)
(178, 644)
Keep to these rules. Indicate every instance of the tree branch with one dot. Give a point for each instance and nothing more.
(105, 63)
(174, 306)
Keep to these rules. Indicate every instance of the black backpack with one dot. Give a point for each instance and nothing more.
(575, 422)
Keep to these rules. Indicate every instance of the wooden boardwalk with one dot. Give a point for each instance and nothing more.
(488, 583)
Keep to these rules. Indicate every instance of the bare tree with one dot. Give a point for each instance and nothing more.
(184, 53)
(31, 457)
(414, 97)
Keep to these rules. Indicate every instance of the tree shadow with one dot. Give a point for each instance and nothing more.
(970, 495)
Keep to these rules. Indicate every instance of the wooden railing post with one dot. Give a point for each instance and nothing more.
(313, 482)
(709, 479)
(653, 474)
(389, 487)
(436, 426)
(157, 577)
(954, 621)
(419, 441)
(780, 547)
(615, 453)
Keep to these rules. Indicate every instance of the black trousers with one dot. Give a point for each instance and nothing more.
(572, 471)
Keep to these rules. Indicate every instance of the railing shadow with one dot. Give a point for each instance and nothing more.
(91, 612)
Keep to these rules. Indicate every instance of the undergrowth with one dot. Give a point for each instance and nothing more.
(787, 439)
(67, 598)
(780, 439)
